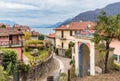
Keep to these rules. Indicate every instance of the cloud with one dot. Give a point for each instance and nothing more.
(10, 5)
(46, 11)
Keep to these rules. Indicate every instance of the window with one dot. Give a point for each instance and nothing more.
(62, 44)
(115, 57)
(75, 32)
(70, 33)
(62, 34)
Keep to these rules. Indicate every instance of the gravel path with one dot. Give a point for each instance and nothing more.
(65, 61)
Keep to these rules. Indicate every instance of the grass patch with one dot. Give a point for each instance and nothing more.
(42, 55)
(63, 77)
(27, 54)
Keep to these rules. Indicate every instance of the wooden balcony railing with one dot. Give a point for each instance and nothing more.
(10, 43)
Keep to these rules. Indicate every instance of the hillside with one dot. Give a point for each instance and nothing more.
(111, 9)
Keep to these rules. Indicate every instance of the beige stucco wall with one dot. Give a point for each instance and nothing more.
(116, 44)
(67, 39)
(52, 40)
(34, 38)
(99, 57)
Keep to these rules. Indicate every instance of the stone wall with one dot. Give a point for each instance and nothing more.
(40, 69)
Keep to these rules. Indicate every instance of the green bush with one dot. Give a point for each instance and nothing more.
(56, 51)
(23, 67)
(27, 49)
(71, 44)
(72, 62)
(3, 74)
(68, 53)
(116, 67)
(63, 77)
(41, 37)
(35, 42)
(9, 56)
(72, 71)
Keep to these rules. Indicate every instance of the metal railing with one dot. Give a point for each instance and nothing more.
(60, 37)
(10, 43)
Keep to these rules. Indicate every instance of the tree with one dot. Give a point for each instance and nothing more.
(27, 36)
(41, 37)
(9, 57)
(3, 26)
(107, 28)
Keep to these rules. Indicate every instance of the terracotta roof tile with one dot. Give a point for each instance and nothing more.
(51, 35)
(35, 34)
(77, 26)
(22, 28)
(6, 25)
(9, 31)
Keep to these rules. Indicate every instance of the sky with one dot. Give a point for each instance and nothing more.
(36, 12)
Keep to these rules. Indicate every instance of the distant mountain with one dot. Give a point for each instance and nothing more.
(55, 25)
(111, 9)
(47, 25)
(11, 23)
(66, 21)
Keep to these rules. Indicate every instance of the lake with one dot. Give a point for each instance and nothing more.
(44, 31)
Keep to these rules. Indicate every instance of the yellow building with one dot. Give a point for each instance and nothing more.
(65, 34)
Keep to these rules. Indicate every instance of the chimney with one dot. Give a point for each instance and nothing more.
(68, 26)
(89, 26)
(81, 21)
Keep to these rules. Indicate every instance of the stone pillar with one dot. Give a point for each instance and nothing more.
(76, 58)
(92, 59)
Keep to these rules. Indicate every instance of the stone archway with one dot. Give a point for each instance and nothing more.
(84, 60)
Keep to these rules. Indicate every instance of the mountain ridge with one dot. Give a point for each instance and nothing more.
(91, 15)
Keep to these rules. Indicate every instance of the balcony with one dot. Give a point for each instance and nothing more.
(10, 43)
(60, 37)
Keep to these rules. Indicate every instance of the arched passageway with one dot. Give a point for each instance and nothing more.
(84, 60)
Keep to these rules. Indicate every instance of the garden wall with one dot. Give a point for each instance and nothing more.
(40, 69)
